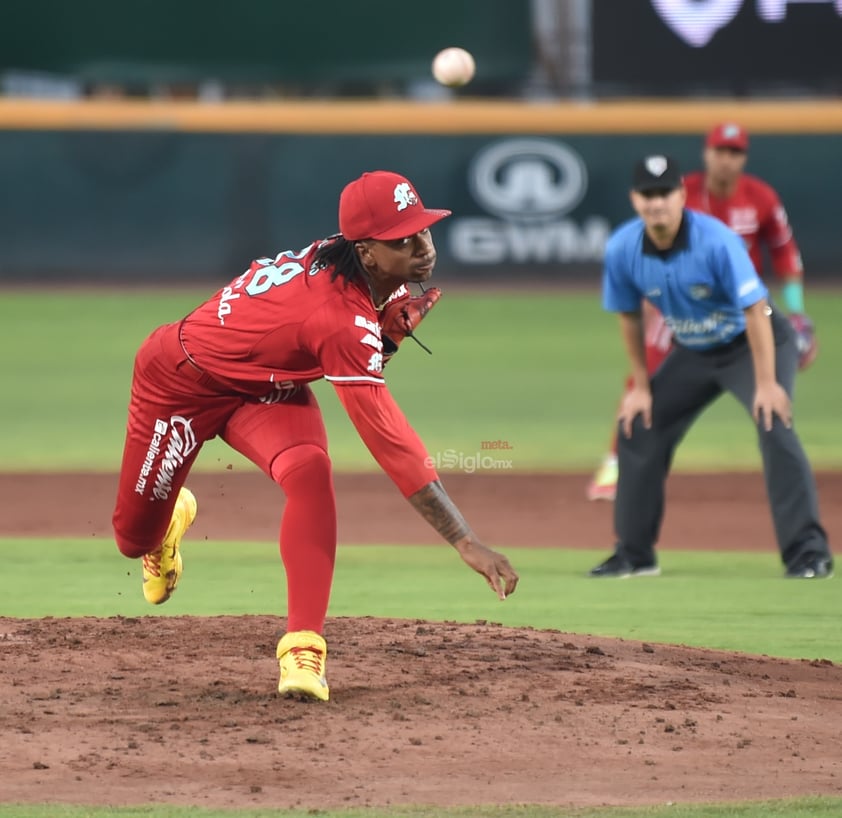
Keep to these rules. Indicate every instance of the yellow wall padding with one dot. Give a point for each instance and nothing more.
(459, 116)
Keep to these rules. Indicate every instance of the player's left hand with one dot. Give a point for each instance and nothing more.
(401, 315)
(805, 339)
(769, 401)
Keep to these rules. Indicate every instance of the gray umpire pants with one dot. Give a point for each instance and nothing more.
(686, 383)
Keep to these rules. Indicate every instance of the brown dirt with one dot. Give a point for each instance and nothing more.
(181, 710)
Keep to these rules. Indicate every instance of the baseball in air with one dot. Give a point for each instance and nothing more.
(454, 67)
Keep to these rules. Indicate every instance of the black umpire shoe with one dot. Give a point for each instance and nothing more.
(619, 567)
(811, 566)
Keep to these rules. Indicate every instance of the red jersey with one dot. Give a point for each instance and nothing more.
(755, 212)
(285, 322)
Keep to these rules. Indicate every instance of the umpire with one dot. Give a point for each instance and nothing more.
(727, 337)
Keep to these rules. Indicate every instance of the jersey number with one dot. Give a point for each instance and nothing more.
(274, 272)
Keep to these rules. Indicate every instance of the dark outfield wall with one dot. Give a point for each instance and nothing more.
(177, 203)
(313, 46)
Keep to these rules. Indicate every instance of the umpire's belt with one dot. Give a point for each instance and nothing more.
(735, 343)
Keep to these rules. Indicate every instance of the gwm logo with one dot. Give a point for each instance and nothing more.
(529, 185)
(528, 179)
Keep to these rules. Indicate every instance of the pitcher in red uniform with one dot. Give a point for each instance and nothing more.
(752, 209)
(238, 367)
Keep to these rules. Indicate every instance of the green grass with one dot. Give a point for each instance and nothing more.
(542, 371)
(790, 808)
(734, 601)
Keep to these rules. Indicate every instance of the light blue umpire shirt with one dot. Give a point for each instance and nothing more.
(701, 284)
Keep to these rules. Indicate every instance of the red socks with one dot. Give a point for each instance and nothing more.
(308, 533)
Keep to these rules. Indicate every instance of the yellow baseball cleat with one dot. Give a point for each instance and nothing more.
(162, 568)
(603, 486)
(302, 656)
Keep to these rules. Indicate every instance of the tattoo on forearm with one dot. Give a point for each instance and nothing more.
(434, 505)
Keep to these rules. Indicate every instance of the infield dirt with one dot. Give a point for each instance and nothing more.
(181, 709)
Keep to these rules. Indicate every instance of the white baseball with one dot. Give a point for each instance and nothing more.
(454, 67)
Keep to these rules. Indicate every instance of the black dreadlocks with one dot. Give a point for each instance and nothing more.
(337, 252)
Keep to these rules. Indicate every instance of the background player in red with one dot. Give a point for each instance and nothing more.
(238, 367)
(752, 209)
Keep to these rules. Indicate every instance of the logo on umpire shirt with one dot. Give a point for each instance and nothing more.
(529, 185)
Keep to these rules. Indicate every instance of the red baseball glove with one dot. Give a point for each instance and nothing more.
(402, 315)
(805, 339)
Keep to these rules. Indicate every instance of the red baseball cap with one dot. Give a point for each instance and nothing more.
(383, 205)
(728, 135)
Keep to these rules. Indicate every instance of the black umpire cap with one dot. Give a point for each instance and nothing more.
(656, 172)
